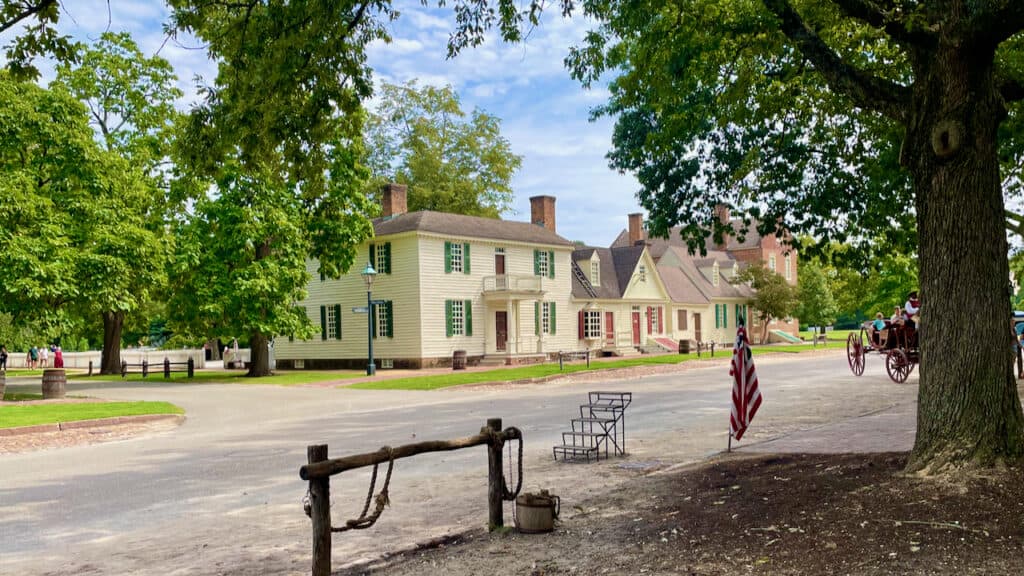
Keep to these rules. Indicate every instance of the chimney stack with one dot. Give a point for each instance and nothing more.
(393, 200)
(722, 213)
(636, 228)
(542, 211)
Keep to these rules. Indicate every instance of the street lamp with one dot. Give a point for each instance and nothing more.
(368, 275)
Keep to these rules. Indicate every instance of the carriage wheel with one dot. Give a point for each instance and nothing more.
(898, 365)
(855, 353)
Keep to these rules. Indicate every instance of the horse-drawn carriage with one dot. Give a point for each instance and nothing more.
(896, 342)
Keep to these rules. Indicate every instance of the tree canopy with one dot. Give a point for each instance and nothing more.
(421, 137)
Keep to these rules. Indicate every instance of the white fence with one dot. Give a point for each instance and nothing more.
(130, 355)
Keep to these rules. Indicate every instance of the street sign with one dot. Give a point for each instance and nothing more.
(360, 309)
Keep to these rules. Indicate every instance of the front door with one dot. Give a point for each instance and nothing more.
(500, 330)
(696, 327)
(609, 328)
(636, 328)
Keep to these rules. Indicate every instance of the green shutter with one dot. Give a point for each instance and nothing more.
(387, 257)
(390, 318)
(725, 315)
(536, 262)
(323, 322)
(551, 264)
(448, 317)
(465, 258)
(718, 316)
(552, 321)
(337, 321)
(468, 308)
(447, 257)
(373, 257)
(536, 318)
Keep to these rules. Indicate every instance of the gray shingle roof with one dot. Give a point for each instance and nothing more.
(658, 246)
(467, 226)
(609, 287)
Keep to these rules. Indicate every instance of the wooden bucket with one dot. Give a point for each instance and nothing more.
(54, 383)
(536, 513)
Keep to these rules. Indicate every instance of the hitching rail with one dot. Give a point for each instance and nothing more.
(320, 469)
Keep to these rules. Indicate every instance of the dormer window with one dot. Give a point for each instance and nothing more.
(735, 269)
(595, 272)
(714, 274)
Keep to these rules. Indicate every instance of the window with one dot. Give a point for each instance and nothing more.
(384, 320)
(741, 312)
(543, 263)
(456, 257)
(681, 320)
(771, 262)
(721, 316)
(380, 257)
(458, 317)
(591, 324)
(714, 274)
(595, 272)
(643, 273)
(544, 318)
(655, 319)
(735, 269)
(330, 322)
(789, 267)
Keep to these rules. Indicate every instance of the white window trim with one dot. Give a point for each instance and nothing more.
(381, 255)
(592, 324)
(595, 272)
(642, 270)
(456, 255)
(714, 274)
(542, 263)
(789, 267)
(458, 318)
(771, 262)
(545, 317)
(332, 323)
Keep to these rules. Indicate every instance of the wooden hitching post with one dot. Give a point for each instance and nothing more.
(494, 477)
(320, 512)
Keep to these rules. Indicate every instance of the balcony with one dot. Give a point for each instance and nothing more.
(507, 285)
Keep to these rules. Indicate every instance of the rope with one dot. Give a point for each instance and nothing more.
(381, 499)
(505, 494)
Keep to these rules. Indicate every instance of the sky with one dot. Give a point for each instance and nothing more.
(544, 113)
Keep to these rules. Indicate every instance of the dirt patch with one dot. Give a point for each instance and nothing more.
(88, 435)
(792, 514)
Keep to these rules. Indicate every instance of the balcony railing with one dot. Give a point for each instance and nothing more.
(510, 283)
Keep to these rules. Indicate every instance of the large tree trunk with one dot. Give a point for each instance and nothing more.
(214, 347)
(259, 358)
(969, 413)
(110, 361)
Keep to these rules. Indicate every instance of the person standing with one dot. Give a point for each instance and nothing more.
(44, 356)
(58, 357)
(3, 358)
(33, 357)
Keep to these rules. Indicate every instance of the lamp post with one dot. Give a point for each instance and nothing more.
(368, 275)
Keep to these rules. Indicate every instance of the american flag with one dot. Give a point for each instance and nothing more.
(746, 398)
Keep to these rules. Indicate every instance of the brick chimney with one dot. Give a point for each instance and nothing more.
(393, 200)
(542, 211)
(722, 213)
(636, 228)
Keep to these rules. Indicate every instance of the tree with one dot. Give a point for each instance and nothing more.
(775, 298)
(421, 137)
(130, 99)
(845, 119)
(815, 304)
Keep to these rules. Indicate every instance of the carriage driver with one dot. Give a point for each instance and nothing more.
(912, 309)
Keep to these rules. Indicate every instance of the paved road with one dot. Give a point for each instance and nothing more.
(221, 494)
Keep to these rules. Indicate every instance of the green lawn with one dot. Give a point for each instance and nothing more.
(284, 378)
(549, 369)
(834, 335)
(32, 414)
(21, 396)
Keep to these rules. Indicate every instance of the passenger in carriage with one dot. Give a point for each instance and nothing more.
(897, 317)
(876, 328)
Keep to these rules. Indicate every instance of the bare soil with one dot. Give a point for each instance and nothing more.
(741, 514)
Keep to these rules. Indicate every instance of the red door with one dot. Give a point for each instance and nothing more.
(609, 329)
(636, 328)
(500, 330)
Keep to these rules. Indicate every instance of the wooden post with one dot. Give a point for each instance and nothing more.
(191, 367)
(90, 367)
(320, 512)
(167, 367)
(495, 518)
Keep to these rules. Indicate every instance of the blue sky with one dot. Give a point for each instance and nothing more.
(544, 113)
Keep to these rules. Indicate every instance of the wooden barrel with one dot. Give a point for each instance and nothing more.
(54, 383)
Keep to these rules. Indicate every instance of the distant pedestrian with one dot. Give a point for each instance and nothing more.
(3, 358)
(44, 356)
(58, 357)
(33, 357)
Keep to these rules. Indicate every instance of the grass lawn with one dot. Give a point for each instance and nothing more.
(833, 335)
(21, 396)
(32, 414)
(283, 378)
(541, 370)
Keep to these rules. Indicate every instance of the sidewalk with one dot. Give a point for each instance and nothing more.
(888, 430)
